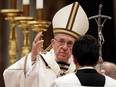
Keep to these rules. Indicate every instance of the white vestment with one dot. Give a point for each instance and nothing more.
(24, 74)
(71, 80)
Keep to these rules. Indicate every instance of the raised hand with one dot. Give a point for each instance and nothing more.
(37, 46)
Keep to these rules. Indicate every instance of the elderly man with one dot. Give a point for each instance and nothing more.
(40, 69)
(86, 56)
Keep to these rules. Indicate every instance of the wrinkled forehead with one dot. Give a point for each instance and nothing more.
(65, 37)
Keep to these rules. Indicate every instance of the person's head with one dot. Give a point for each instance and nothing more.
(109, 69)
(68, 23)
(62, 45)
(86, 51)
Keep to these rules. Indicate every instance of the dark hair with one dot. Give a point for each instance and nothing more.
(86, 50)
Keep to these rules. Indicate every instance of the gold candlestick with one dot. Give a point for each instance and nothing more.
(24, 25)
(39, 26)
(13, 48)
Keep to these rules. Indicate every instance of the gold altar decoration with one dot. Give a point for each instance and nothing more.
(10, 14)
(24, 21)
(39, 25)
(25, 26)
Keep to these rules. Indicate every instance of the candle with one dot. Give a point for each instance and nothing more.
(25, 1)
(39, 4)
(26, 10)
(26, 7)
(13, 4)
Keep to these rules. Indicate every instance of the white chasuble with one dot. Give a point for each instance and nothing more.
(24, 74)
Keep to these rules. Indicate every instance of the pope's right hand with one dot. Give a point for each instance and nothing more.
(37, 46)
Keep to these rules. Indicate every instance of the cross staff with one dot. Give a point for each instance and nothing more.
(100, 26)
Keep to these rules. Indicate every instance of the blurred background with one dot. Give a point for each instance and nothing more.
(50, 8)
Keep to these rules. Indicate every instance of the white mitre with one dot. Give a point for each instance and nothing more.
(71, 20)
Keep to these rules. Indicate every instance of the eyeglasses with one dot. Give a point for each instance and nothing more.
(62, 42)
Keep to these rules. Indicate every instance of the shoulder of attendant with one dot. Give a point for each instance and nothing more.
(110, 80)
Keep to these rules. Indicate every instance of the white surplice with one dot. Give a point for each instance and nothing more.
(71, 80)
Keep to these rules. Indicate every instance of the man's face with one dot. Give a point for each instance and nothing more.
(62, 45)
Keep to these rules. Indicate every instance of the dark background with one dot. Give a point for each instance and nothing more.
(91, 8)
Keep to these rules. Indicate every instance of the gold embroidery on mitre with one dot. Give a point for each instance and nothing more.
(66, 31)
(72, 16)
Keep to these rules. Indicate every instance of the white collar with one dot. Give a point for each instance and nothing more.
(89, 67)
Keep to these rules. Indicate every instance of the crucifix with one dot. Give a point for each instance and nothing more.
(100, 26)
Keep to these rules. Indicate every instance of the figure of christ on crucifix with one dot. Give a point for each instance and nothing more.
(100, 25)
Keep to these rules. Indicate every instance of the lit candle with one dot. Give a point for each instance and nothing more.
(39, 4)
(25, 1)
